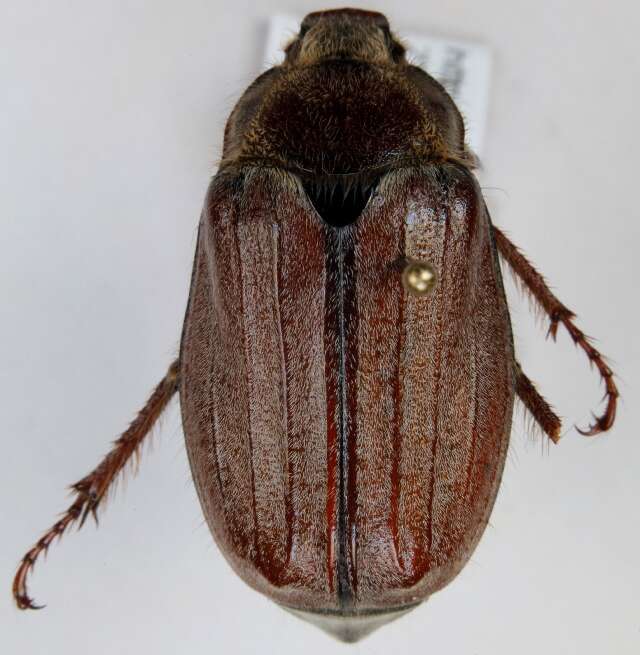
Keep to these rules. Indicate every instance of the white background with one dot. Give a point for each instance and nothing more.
(110, 126)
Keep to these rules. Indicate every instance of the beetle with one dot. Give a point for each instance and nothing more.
(347, 371)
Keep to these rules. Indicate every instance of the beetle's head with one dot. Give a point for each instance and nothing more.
(344, 34)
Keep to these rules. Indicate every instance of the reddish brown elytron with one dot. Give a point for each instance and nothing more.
(346, 373)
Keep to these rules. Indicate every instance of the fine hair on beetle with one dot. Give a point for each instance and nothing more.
(347, 372)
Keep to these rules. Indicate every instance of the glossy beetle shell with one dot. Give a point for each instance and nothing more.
(292, 366)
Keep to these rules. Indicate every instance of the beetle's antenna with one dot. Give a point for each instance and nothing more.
(91, 490)
(558, 313)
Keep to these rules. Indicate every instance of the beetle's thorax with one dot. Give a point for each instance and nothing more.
(345, 101)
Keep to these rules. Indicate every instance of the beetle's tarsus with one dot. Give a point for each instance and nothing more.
(26, 603)
(91, 489)
(605, 421)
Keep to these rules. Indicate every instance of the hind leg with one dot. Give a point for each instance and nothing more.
(558, 313)
(539, 408)
(91, 490)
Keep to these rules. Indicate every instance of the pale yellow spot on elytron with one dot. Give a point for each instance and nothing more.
(418, 278)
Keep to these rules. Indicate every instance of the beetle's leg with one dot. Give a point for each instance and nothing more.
(540, 409)
(558, 313)
(90, 491)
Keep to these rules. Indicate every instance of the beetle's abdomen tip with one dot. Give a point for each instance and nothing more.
(350, 628)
